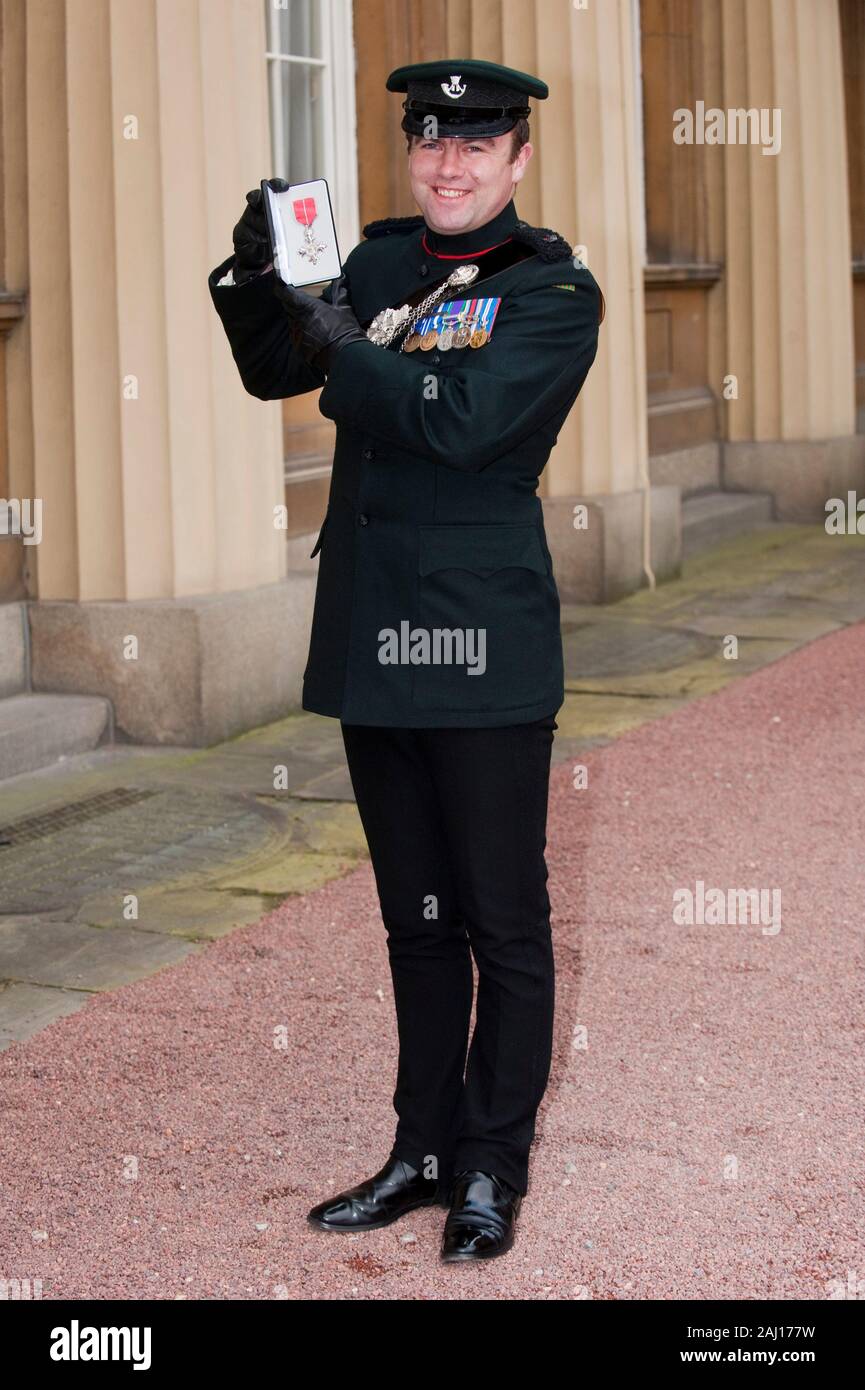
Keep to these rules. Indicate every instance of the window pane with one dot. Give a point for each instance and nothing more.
(298, 122)
(298, 29)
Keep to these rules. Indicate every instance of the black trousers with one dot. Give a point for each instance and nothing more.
(455, 820)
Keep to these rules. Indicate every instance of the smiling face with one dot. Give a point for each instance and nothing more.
(460, 184)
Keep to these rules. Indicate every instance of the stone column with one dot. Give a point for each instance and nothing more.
(788, 262)
(16, 559)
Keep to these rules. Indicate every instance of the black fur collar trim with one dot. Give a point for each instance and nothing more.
(549, 245)
(392, 224)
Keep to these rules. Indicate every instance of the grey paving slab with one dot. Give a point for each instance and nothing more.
(199, 914)
(25, 1009)
(743, 620)
(622, 649)
(74, 956)
(329, 827)
(570, 749)
(334, 785)
(133, 846)
(701, 676)
(283, 757)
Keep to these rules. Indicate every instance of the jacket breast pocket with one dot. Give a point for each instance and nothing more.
(486, 633)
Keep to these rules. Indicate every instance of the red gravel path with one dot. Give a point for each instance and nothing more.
(707, 1046)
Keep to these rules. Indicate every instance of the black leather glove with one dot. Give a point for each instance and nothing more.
(320, 328)
(251, 242)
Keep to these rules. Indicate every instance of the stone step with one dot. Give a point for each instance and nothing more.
(711, 517)
(36, 730)
(13, 649)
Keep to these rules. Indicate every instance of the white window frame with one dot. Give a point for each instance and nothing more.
(338, 104)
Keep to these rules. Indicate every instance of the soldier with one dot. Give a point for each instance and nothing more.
(435, 636)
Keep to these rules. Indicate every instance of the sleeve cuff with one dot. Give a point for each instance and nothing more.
(228, 277)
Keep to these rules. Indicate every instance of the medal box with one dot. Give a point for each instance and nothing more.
(302, 233)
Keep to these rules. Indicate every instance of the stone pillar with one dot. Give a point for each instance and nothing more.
(15, 482)
(788, 262)
(159, 475)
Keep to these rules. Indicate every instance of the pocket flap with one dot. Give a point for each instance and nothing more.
(481, 549)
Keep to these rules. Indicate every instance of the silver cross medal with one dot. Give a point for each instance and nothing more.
(305, 212)
(311, 250)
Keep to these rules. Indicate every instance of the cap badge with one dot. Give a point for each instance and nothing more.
(455, 88)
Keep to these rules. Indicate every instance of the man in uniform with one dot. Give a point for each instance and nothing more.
(435, 637)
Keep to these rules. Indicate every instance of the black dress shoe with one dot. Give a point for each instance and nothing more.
(396, 1189)
(482, 1218)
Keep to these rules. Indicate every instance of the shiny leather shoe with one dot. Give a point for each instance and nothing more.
(482, 1218)
(396, 1189)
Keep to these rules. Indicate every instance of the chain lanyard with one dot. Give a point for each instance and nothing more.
(393, 323)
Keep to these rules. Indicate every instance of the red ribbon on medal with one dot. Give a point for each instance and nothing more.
(304, 211)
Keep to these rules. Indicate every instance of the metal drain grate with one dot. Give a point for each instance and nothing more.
(72, 814)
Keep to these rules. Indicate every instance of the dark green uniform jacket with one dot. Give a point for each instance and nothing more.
(436, 604)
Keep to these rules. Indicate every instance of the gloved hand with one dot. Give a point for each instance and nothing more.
(320, 328)
(251, 242)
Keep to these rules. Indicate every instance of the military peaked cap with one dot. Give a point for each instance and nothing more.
(467, 97)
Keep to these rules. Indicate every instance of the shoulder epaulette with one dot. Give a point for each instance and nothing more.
(549, 245)
(392, 224)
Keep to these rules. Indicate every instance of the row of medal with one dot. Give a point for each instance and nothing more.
(461, 323)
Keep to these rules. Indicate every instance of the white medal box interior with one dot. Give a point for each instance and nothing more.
(304, 236)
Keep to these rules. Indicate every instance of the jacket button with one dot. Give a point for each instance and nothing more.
(369, 453)
(423, 270)
(363, 519)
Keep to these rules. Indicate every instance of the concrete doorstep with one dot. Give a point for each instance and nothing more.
(36, 730)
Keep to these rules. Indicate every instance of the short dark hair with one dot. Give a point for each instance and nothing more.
(519, 137)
